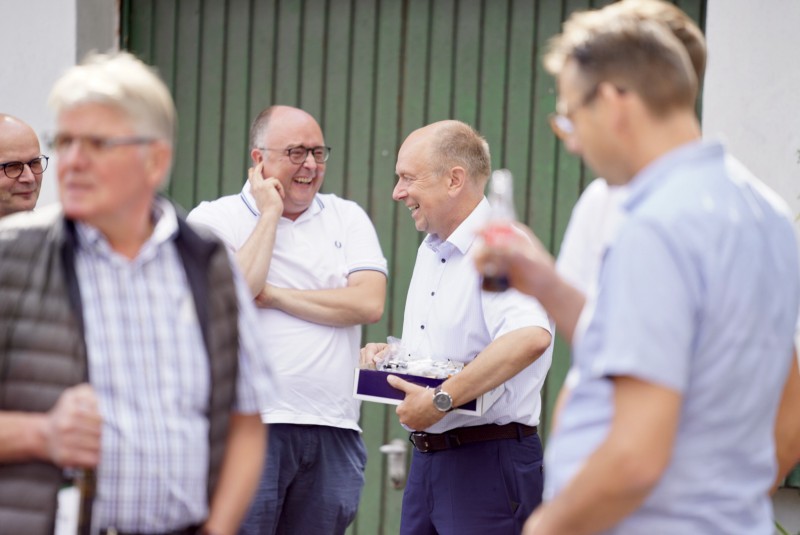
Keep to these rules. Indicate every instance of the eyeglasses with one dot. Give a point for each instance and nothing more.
(562, 124)
(15, 169)
(298, 155)
(61, 143)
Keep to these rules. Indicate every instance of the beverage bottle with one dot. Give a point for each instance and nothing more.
(75, 500)
(501, 201)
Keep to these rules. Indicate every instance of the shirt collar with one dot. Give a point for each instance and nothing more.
(464, 235)
(316, 206)
(653, 175)
(164, 216)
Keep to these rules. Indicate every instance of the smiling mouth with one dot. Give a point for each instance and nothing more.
(303, 179)
(413, 207)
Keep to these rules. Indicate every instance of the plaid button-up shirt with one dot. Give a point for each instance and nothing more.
(149, 367)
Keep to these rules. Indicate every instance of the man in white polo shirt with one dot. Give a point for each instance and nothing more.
(316, 271)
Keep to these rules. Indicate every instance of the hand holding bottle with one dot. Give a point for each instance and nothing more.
(72, 429)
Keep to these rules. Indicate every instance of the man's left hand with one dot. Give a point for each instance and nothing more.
(417, 410)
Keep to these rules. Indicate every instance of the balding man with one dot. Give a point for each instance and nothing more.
(469, 474)
(22, 163)
(316, 270)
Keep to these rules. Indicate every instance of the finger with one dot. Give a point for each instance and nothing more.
(401, 384)
(396, 382)
(379, 355)
(278, 186)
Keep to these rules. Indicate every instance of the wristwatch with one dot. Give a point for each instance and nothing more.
(442, 400)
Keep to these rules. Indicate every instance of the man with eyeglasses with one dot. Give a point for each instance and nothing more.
(128, 341)
(668, 424)
(317, 273)
(22, 164)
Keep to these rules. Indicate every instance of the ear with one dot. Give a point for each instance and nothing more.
(616, 104)
(456, 180)
(158, 163)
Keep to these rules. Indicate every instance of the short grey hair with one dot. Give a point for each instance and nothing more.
(458, 144)
(124, 82)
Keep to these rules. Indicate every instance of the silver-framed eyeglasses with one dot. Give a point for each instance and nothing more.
(15, 169)
(562, 124)
(298, 155)
(61, 143)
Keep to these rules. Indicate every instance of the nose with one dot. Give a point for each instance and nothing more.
(399, 191)
(27, 175)
(310, 162)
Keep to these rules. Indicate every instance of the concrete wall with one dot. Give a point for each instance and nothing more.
(751, 101)
(40, 40)
(751, 89)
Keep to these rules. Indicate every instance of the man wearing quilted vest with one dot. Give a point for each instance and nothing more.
(126, 338)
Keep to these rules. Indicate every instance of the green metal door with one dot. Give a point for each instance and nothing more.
(371, 71)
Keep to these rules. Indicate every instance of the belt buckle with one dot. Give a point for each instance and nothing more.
(420, 441)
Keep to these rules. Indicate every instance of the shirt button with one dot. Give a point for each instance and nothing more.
(422, 327)
(443, 260)
(433, 293)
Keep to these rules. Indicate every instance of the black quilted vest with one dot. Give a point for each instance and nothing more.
(42, 350)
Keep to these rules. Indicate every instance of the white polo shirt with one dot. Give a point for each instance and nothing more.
(448, 316)
(591, 229)
(313, 363)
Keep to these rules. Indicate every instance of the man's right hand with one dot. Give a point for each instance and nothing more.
(371, 353)
(73, 427)
(267, 191)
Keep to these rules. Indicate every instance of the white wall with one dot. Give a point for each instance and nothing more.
(752, 101)
(40, 40)
(38, 43)
(752, 88)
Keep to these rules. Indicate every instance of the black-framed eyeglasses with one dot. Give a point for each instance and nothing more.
(298, 155)
(95, 144)
(15, 169)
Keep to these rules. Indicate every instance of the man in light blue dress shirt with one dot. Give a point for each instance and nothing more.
(668, 427)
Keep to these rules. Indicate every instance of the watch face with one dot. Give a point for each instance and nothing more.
(442, 401)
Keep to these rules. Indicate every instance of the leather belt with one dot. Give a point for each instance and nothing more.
(429, 442)
(191, 530)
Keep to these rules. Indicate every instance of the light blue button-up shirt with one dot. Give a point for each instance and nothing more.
(699, 293)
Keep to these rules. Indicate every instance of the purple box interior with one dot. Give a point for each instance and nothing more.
(373, 383)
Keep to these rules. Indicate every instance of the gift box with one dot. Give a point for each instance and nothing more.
(371, 385)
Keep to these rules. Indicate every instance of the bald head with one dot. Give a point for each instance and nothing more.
(453, 143)
(18, 143)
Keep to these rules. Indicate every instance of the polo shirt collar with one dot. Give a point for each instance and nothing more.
(317, 205)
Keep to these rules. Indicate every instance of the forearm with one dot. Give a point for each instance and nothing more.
(563, 303)
(360, 302)
(255, 255)
(787, 424)
(619, 475)
(602, 493)
(22, 437)
(561, 399)
(241, 470)
(501, 360)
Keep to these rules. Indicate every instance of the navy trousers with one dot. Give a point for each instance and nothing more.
(482, 488)
(311, 483)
